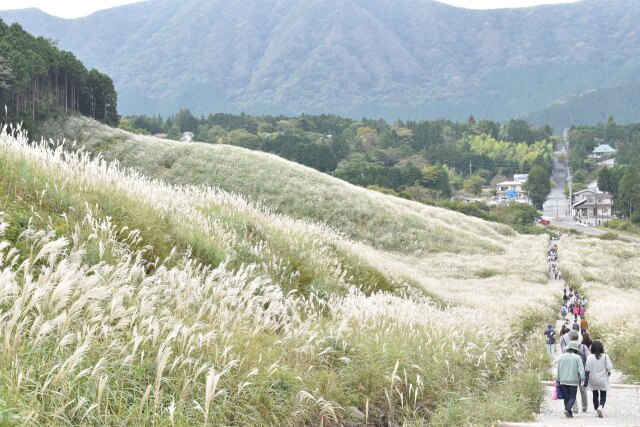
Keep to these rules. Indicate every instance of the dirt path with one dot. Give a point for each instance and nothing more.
(622, 407)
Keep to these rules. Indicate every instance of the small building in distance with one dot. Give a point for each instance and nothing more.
(512, 190)
(187, 136)
(592, 206)
(603, 150)
(521, 177)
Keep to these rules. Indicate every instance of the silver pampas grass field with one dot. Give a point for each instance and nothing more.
(132, 300)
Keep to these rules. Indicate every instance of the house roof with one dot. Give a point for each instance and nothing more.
(510, 183)
(575, 205)
(601, 194)
(604, 149)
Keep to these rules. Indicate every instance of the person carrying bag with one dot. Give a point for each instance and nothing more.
(570, 375)
(598, 367)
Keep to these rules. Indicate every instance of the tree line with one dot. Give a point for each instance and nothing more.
(38, 80)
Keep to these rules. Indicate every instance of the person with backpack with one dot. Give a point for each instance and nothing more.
(551, 341)
(575, 327)
(570, 375)
(598, 369)
(563, 311)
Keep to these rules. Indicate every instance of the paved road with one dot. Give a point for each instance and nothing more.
(557, 206)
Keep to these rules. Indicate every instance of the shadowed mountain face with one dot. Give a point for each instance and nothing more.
(409, 59)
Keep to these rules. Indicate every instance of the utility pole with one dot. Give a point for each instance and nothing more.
(569, 178)
(470, 167)
(596, 206)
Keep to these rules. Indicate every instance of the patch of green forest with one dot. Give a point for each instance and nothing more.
(37, 80)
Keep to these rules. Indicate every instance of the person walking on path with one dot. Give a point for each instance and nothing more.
(575, 327)
(564, 338)
(576, 311)
(598, 369)
(583, 352)
(570, 376)
(551, 341)
(584, 325)
(586, 340)
(563, 312)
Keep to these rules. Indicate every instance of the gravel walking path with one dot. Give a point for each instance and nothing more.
(622, 407)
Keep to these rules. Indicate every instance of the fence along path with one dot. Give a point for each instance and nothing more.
(623, 400)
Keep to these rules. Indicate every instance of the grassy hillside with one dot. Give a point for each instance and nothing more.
(385, 222)
(128, 300)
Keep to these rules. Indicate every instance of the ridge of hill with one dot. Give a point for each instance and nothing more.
(421, 60)
(387, 223)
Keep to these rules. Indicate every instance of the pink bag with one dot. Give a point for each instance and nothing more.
(554, 393)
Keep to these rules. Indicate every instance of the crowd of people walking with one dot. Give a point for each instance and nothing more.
(583, 363)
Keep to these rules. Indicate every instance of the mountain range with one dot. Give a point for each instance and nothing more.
(556, 64)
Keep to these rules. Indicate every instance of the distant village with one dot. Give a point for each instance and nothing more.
(589, 206)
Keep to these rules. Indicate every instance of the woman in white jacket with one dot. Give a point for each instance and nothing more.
(598, 366)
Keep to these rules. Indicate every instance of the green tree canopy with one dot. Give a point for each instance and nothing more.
(37, 80)
(607, 181)
(437, 178)
(474, 185)
(538, 186)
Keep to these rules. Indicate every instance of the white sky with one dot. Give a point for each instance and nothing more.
(76, 8)
(64, 8)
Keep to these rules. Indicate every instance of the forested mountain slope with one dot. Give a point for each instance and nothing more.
(418, 58)
(37, 81)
